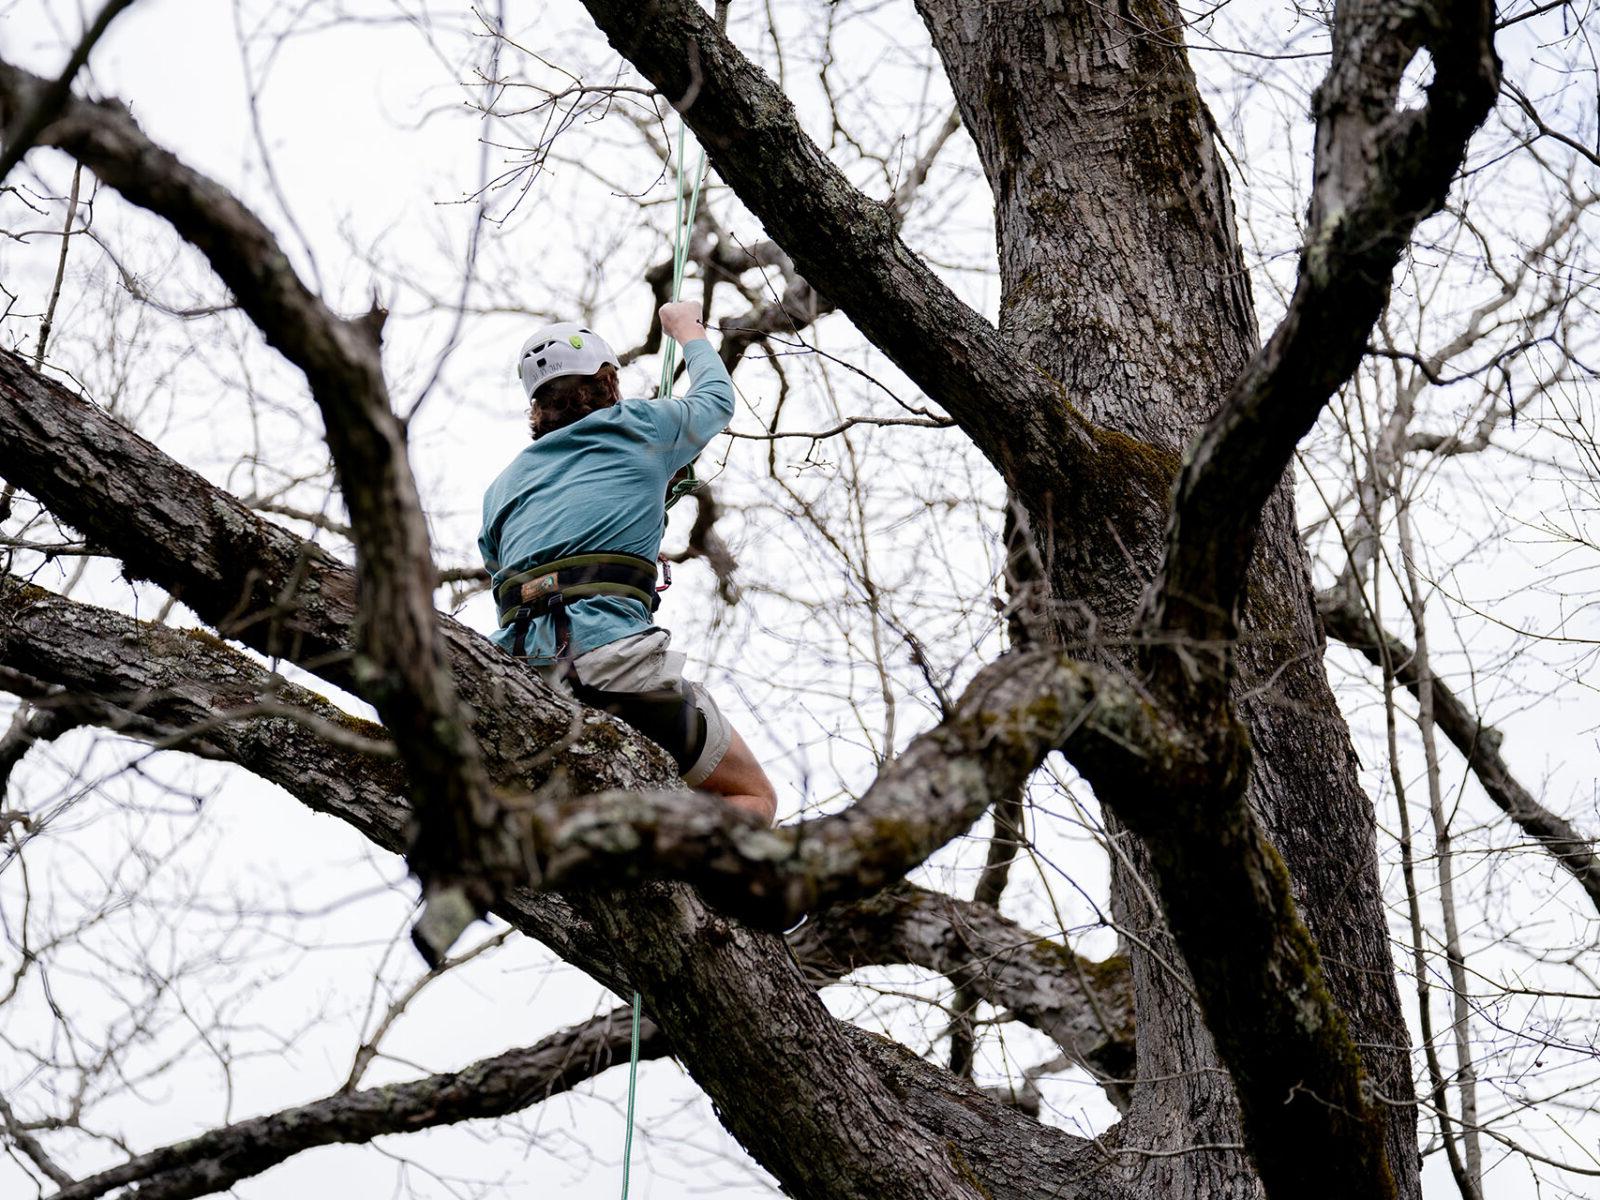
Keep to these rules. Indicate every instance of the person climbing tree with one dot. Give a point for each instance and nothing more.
(572, 529)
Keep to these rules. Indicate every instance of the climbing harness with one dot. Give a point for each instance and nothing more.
(684, 215)
(546, 590)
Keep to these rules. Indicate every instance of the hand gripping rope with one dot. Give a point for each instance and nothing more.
(684, 213)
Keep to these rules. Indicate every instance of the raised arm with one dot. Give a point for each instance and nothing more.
(693, 420)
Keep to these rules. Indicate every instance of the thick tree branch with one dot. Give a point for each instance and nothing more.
(185, 690)
(1011, 716)
(1478, 743)
(1085, 1007)
(1312, 1123)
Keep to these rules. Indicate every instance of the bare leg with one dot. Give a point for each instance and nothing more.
(740, 781)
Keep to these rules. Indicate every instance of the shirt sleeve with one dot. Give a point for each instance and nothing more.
(692, 420)
(488, 543)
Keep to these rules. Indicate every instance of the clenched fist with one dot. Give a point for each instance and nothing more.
(680, 320)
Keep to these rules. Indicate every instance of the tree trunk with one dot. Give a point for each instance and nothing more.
(1123, 280)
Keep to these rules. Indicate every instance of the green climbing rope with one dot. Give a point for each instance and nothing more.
(633, 1085)
(684, 214)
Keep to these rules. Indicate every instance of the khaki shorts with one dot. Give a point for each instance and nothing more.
(639, 680)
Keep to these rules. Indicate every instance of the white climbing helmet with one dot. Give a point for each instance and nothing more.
(566, 348)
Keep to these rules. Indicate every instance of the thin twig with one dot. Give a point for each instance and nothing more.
(61, 269)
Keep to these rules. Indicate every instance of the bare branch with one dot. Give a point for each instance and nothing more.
(1085, 1007)
(1545, 130)
(845, 244)
(918, 174)
(369, 1048)
(819, 435)
(316, 519)
(48, 320)
(492, 1087)
(29, 1145)
(705, 542)
(28, 728)
(1478, 743)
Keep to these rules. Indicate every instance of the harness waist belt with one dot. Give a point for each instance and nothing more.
(541, 589)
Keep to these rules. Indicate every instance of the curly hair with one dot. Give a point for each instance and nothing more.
(561, 401)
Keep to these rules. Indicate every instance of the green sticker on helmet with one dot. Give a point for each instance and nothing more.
(577, 342)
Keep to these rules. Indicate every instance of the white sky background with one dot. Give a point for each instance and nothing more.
(374, 152)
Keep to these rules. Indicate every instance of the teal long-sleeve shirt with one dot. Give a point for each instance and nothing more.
(600, 485)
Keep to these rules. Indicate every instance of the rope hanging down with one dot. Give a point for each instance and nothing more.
(633, 1085)
(684, 214)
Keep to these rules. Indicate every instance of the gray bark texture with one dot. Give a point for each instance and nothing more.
(1252, 1030)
